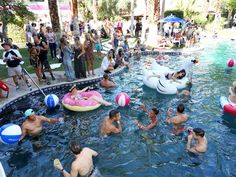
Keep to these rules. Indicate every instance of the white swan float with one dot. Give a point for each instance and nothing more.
(162, 85)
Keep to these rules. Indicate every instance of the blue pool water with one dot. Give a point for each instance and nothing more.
(134, 152)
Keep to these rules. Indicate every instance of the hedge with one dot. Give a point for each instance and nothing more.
(177, 13)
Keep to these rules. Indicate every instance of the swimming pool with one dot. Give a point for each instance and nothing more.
(135, 152)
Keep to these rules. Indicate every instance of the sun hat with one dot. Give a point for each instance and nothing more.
(29, 112)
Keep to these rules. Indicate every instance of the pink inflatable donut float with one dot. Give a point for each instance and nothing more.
(81, 105)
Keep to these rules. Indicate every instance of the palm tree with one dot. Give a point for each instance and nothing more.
(95, 5)
(74, 7)
(153, 7)
(53, 11)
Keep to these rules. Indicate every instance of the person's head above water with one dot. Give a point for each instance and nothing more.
(199, 132)
(180, 108)
(181, 74)
(75, 147)
(195, 61)
(105, 76)
(29, 112)
(153, 113)
(113, 114)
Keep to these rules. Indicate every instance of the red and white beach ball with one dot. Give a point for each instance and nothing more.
(230, 62)
(122, 99)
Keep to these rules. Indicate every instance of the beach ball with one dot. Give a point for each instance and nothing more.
(10, 133)
(51, 100)
(230, 62)
(122, 99)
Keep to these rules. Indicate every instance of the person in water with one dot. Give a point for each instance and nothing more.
(83, 163)
(198, 135)
(76, 95)
(232, 94)
(178, 120)
(152, 116)
(108, 127)
(172, 76)
(106, 82)
(188, 66)
(32, 126)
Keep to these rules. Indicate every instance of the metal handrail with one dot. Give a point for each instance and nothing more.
(26, 72)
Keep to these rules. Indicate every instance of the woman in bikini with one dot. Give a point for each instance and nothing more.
(88, 46)
(172, 76)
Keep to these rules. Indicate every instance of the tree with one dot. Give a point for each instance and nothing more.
(188, 7)
(74, 7)
(153, 8)
(14, 12)
(53, 11)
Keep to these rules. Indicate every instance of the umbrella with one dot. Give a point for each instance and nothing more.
(171, 18)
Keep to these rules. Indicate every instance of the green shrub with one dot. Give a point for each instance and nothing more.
(210, 17)
(16, 33)
(177, 13)
(200, 19)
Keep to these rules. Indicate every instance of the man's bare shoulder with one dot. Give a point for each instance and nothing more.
(76, 165)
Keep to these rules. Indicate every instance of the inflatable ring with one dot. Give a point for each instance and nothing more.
(81, 105)
(162, 85)
(227, 107)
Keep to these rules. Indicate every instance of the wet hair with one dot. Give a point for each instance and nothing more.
(194, 61)
(180, 108)
(199, 132)
(105, 76)
(75, 147)
(155, 110)
(113, 113)
(181, 71)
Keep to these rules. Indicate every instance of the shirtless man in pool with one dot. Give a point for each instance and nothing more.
(33, 123)
(108, 126)
(83, 163)
(177, 120)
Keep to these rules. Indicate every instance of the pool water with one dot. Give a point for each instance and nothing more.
(134, 152)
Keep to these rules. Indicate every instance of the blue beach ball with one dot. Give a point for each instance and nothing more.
(51, 100)
(10, 133)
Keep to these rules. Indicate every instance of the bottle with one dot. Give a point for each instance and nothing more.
(189, 130)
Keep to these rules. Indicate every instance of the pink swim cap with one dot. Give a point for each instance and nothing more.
(230, 62)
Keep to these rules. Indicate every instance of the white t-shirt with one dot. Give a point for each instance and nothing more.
(106, 63)
(10, 56)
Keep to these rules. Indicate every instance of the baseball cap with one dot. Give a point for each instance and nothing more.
(29, 112)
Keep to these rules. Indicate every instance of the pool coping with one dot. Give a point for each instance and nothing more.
(95, 79)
